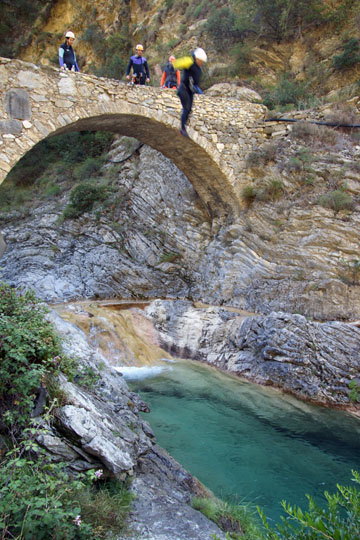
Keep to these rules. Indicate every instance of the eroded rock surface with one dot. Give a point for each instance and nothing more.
(159, 240)
(313, 361)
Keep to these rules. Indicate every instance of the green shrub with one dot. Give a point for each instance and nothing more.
(70, 148)
(249, 194)
(113, 51)
(337, 200)
(38, 500)
(271, 190)
(350, 55)
(221, 28)
(28, 346)
(287, 91)
(339, 521)
(107, 507)
(280, 19)
(354, 386)
(88, 168)
(82, 199)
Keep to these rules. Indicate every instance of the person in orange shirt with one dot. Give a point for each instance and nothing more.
(170, 77)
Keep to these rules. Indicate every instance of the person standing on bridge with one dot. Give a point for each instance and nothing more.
(140, 67)
(67, 57)
(170, 78)
(189, 83)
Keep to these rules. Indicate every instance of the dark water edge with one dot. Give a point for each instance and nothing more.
(248, 443)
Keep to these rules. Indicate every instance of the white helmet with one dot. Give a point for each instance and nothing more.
(200, 54)
(70, 34)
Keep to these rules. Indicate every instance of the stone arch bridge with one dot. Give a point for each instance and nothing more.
(39, 102)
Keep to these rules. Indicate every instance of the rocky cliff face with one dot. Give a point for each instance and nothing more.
(284, 252)
(312, 361)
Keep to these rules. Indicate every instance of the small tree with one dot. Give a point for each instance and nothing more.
(339, 521)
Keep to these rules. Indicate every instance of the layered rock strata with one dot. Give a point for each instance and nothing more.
(313, 361)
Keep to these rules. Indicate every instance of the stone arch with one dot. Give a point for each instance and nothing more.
(40, 102)
(204, 174)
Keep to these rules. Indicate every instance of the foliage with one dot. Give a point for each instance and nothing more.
(280, 19)
(29, 348)
(262, 155)
(107, 507)
(350, 274)
(221, 27)
(37, 500)
(287, 91)
(249, 194)
(70, 148)
(270, 190)
(17, 20)
(339, 521)
(238, 520)
(350, 55)
(83, 197)
(113, 52)
(354, 385)
(337, 199)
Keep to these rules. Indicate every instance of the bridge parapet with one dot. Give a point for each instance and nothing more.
(38, 102)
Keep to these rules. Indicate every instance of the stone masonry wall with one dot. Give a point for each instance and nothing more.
(37, 102)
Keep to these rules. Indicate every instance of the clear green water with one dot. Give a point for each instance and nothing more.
(245, 441)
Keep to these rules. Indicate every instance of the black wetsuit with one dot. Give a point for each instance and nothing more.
(140, 69)
(190, 79)
(67, 56)
(170, 76)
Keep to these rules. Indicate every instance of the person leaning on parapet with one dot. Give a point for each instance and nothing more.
(170, 77)
(67, 57)
(189, 83)
(140, 67)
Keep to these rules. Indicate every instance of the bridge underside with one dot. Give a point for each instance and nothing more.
(208, 180)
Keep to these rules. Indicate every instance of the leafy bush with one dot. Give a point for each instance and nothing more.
(70, 148)
(82, 199)
(337, 200)
(18, 19)
(287, 91)
(113, 51)
(38, 500)
(350, 55)
(339, 521)
(88, 168)
(221, 27)
(28, 346)
(354, 385)
(280, 19)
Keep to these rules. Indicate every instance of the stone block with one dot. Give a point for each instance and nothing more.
(14, 127)
(17, 104)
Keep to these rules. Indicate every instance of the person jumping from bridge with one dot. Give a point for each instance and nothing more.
(140, 67)
(67, 57)
(189, 83)
(170, 78)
